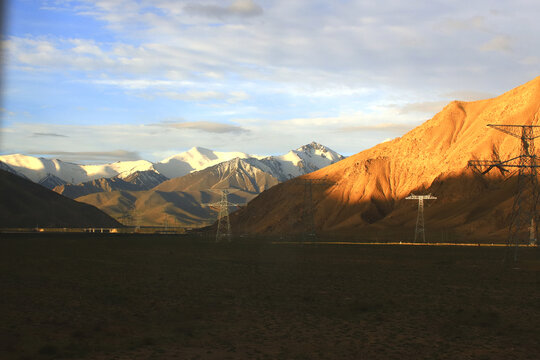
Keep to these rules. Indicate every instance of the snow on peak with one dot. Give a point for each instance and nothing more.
(297, 162)
(38, 168)
(194, 159)
(121, 169)
(317, 149)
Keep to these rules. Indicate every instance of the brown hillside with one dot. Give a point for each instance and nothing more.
(179, 201)
(26, 204)
(369, 187)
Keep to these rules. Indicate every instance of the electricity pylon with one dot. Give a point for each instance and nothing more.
(308, 212)
(420, 229)
(524, 214)
(224, 224)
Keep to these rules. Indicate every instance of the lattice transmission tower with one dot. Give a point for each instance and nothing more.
(524, 210)
(420, 230)
(223, 231)
(308, 211)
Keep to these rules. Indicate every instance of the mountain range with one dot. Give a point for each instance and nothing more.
(55, 172)
(186, 200)
(366, 192)
(140, 192)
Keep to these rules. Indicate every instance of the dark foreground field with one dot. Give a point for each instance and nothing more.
(159, 297)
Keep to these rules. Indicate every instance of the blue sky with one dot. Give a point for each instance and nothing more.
(133, 79)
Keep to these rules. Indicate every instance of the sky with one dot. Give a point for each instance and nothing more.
(108, 80)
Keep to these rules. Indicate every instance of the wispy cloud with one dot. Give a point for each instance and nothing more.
(469, 95)
(40, 134)
(501, 43)
(6, 112)
(242, 8)
(385, 127)
(139, 84)
(205, 126)
(305, 69)
(231, 97)
(425, 107)
(89, 155)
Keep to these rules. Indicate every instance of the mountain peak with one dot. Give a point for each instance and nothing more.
(312, 146)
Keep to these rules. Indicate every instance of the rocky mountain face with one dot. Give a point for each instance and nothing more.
(232, 174)
(145, 180)
(368, 190)
(186, 200)
(27, 204)
(95, 186)
(50, 181)
(138, 181)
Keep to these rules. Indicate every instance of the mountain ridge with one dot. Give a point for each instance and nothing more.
(195, 159)
(247, 177)
(369, 187)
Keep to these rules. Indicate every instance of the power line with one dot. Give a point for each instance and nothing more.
(420, 229)
(524, 214)
(224, 225)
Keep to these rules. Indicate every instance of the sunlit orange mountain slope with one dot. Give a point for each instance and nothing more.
(368, 191)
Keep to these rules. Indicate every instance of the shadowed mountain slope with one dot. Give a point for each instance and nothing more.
(369, 188)
(27, 204)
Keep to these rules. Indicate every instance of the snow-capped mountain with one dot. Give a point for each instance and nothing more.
(306, 159)
(121, 169)
(38, 169)
(182, 197)
(146, 180)
(195, 159)
(297, 162)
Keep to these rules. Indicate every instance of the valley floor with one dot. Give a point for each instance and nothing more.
(88, 296)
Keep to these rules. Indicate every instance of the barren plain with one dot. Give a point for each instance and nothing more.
(67, 296)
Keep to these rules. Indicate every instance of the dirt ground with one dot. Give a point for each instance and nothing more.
(170, 297)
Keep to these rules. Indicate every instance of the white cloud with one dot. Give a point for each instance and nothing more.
(318, 66)
(232, 97)
(500, 43)
(88, 156)
(6, 112)
(48, 134)
(385, 127)
(425, 107)
(138, 84)
(530, 60)
(296, 43)
(205, 126)
(237, 8)
(469, 95)
(255, 136)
